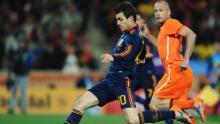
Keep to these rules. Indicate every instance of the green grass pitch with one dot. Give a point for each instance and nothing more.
(87, 119)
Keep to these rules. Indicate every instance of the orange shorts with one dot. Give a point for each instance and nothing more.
(174, 84)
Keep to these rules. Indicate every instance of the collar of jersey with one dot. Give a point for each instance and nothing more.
(132, 29)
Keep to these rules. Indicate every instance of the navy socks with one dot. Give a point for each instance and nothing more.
(155, 116)
(74, 117)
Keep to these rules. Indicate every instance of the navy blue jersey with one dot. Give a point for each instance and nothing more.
(128, 48)
(148, 66)
(119, 82)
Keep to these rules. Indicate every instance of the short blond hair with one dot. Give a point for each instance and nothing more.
(164, 2)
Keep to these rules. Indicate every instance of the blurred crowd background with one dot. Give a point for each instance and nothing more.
(70, 35)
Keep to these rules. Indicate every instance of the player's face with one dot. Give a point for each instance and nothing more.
(140, 21)
(123, 23)
(161, 12)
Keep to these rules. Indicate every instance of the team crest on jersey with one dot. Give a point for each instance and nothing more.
(120, 41)
(141, 34)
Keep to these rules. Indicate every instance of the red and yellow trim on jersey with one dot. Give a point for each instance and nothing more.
(124, 53)
(130, 97)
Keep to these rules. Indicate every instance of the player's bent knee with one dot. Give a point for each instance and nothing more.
(85, 101)
(78, 105)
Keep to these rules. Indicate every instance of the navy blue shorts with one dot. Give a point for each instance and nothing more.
(147, 82)
(118, 86)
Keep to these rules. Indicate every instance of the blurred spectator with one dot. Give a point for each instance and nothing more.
(86, 57)
(28, 27)
(11, 43)
(206, 34)
(71, 16)
(71, 62)
(2, 49)
(21, 62)
(71, 36)
(65, 23)
(56, 34)
(215, 62)
(213, 18)
(53, 57)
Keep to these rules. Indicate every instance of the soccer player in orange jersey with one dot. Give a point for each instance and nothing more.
(175, 84)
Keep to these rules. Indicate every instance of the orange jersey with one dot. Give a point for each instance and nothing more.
(170, 44)
(174, 83)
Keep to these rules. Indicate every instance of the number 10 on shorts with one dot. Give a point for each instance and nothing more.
(122, 99)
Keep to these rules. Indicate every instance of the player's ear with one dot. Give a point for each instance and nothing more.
(131, 18)
(169, 12)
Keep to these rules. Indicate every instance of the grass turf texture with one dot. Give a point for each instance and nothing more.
(87, 119)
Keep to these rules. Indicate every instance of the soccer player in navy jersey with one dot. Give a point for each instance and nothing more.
(144, 72)
(119, 82)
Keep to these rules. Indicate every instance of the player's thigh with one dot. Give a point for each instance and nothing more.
(162, 82)
(139, 81)
(159, 104)
(125, 93)
(171, 85)
(187, 80)
(131, 115)
(149, 85)
(185, 92)
(87, 100)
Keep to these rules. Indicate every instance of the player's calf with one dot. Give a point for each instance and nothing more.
(86, 101)
(155, 116)
(74, 117)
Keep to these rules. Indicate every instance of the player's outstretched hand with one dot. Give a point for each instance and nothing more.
(107, 58)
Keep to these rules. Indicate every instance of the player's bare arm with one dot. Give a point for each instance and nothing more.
(149, 54)
(190, 42)
(149, 36)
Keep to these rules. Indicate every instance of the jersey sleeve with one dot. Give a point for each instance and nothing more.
(127, 52)
(172, 26)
